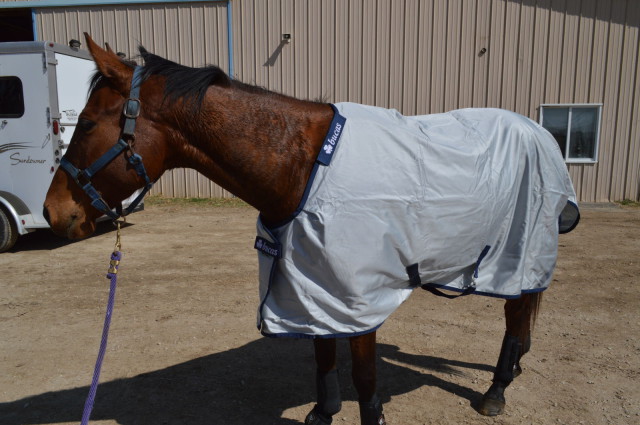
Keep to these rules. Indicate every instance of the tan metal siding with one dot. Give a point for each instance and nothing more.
(424, 60)
(424, 57)
(417, 56)
(624, 133)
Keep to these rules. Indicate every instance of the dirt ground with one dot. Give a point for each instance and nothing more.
(184, 349)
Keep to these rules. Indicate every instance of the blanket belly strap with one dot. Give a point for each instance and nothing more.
(413, 272)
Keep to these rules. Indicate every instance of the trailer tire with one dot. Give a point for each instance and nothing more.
(8, 231)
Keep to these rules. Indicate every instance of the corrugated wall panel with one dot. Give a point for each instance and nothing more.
(524, 66)
(396, 56)
(624, 111)
(633, 160)
(368, 75)
(451, 76)
(468, 53)
(510, 56)
(409, 57)
(496, 53)
(610, 100)
(328, 58)
(539, 57)
(597, 80)
(288, 58)
(481, 53)
(424, 63)
(554, 53)
(632, 189)
(382, 43)
(275, 49)
(354, 49)
(263, 48)
(568, 70)
(438, 57)
(569, 50)
(417, 56)
(584, 50)
(584, 174)
(314, 34)
(300, 30)
(341, 50)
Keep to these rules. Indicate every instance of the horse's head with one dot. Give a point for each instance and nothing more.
(99, 169)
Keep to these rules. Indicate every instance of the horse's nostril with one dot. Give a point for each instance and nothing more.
(45, 213)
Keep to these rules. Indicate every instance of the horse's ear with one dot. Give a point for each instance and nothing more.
(110, 65)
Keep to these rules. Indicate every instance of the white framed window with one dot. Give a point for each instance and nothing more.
(576, 128)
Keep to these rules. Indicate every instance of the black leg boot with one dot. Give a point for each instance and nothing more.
(371, 412)
(493, 402)
(328, 388)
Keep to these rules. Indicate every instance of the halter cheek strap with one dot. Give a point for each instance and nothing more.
(131, 112)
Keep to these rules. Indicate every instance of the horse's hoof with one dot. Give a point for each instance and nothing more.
(316, 418)
(491, 407)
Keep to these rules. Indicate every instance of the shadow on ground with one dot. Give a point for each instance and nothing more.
(252, 384)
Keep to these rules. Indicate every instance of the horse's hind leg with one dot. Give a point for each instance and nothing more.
(363, 364)
(327, 385)
(520, 315)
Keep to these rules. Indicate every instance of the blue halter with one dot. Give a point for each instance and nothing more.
(83, 177)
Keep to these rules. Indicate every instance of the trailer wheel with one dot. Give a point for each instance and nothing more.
(8, 232)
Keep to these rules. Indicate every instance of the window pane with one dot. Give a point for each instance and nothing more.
(556, 120)
(11, 97)
(584, 125)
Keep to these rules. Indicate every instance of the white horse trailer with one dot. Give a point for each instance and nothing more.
(43, 89)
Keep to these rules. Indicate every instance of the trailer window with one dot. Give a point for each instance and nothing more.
(11, 97)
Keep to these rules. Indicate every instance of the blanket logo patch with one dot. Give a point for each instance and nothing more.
(267, 247)
(332, 139)
(328, 149)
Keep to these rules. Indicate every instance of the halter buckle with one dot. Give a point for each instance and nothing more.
(131, 108)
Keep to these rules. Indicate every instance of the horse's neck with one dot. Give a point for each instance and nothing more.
(259, 146)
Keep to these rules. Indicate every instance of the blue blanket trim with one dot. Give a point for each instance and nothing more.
(327, 336)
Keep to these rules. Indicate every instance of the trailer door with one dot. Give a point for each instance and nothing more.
(26, 146)
(73, 80)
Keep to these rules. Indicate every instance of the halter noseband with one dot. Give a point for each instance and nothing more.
(131, 111)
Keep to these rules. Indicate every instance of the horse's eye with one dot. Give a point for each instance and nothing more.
(86, 125)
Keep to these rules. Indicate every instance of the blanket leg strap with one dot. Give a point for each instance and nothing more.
(329, 403)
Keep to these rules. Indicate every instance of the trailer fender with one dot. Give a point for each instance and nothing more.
(14, 208)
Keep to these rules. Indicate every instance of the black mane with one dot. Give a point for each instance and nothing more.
(184, 82)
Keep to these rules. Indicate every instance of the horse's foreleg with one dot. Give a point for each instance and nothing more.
(363, 360)
(520, 314)
(327, 385)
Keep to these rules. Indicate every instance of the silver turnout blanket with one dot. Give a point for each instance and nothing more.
(470, 201)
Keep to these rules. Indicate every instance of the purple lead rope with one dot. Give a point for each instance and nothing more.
(112, 274)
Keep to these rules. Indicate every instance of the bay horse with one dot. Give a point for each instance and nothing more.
(259, 145)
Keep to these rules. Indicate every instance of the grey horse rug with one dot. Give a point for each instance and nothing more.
(470, 201)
